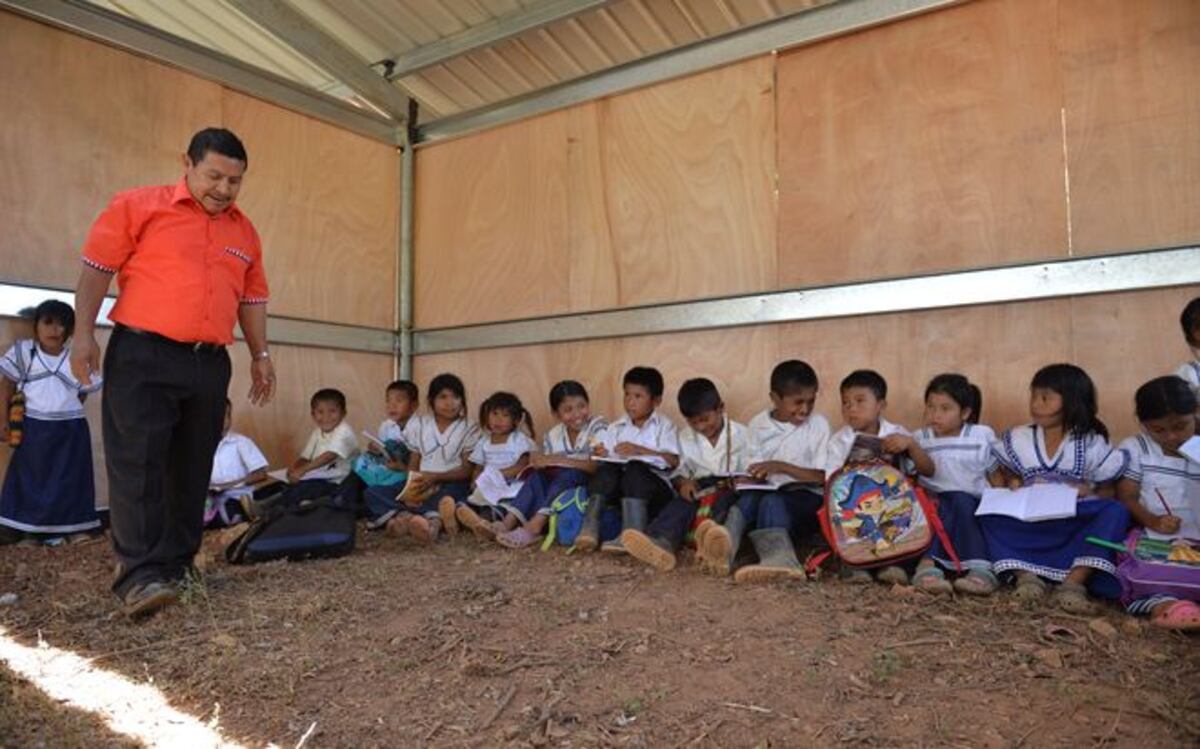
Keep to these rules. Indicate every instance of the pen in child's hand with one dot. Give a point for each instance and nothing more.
(1164, 502)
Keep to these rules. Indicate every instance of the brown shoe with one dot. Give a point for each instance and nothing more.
(147, 598)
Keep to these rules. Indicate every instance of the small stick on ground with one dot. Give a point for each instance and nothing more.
(151, 645)
(751, 708)
(507, 698)
(307, 734)
(430, 733)
(922, 641)
(1112, 731)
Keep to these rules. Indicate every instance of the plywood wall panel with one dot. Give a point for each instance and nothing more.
(282, 427)
(1132, 102)
(920, 146)
(661, 194)
(689, 175)
(492, 234)
(82, 121)
(326, 204)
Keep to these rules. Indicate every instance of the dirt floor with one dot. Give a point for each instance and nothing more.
(470, 645)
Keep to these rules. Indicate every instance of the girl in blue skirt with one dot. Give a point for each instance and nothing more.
(1065, 443)
(49, 490)
(961, 450)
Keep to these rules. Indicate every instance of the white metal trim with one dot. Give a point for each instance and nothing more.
(16, 297)
(798, 28)
(119, 31)
(1095, 275)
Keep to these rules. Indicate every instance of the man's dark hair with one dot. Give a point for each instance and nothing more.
(866, 378)
(329, 395)
(648, 377)
(218, 140)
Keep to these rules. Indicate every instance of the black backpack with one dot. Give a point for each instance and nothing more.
(314, 528)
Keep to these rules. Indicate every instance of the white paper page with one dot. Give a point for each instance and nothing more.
(652, 460)
(494, 488)
(1191, 449)
(1031, 503)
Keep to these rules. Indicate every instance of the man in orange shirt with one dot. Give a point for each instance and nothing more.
(188, 265)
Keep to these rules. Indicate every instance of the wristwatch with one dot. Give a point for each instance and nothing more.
(264, 354)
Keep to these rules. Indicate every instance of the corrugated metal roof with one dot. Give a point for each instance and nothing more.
(602, 36)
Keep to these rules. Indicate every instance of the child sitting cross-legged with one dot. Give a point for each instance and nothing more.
(505, 448)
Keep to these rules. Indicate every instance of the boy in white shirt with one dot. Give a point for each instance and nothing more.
(864, 399)
(647, 445)
(379, 476)
(325, 460)
(1189, 371)
(789, 443)
(712, 449)
(237, 465)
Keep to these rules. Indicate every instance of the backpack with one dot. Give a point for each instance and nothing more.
(315, 528)
(566, 519)
(1150, 567)
(875, 516)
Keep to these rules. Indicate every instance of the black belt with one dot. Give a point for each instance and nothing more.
(197, 346)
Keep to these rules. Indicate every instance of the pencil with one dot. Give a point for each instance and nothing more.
(1106, 544)
(1164, 502)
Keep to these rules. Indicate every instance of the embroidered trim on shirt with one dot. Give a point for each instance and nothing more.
(98, 266)
(240, 255)
(253, 300)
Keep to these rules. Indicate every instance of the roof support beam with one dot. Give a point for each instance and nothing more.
(796, 29)
(488, 33)
(281, 19)
(142, 39)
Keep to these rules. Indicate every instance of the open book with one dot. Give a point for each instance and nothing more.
(1191, 449)
(1031, 503)
(493, 488)
(651, 460)
(327, 473)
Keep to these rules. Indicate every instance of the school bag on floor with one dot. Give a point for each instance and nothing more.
(566, 519)
(1150, 567)
(313, 528)
(875, 516)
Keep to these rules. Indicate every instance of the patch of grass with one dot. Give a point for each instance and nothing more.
(885, 664)
(194, 589)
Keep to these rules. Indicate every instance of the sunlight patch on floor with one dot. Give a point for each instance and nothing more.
(139, 711)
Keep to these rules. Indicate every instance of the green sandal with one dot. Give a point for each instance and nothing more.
(932, 580)
(1030, 587)
(1073, 599)
(977, 583)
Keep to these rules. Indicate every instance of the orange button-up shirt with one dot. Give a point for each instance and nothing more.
(182, 272)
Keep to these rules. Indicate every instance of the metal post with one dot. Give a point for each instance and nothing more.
(404, 296)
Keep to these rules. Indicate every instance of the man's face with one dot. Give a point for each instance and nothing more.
(214, 181)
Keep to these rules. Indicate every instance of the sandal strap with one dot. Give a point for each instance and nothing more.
(928, 572)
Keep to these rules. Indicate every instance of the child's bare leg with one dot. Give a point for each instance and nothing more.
(537, 524)
(510, 522)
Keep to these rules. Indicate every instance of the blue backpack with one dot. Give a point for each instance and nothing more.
(566, 519)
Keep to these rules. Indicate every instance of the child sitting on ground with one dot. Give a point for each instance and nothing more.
(1158, 479)
(325, 460)
(384, 467)
(712, 449)
(864, 399)
(961, 450)
(49, 489)
(789, 444)
(645, 446)
(439, 474)
(1066, 443)
(564, 463)
(506, 449)
(238, 464)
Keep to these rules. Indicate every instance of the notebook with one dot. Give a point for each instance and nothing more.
(1031, 503)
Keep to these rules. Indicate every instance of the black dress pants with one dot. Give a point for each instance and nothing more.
(163, 410)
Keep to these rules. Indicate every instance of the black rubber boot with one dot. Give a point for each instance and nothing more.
(589, 535)
(776, 558)
(634, 516)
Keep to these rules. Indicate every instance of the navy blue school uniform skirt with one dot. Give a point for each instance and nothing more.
(957, 513)
(49, 487)
(1050, 548)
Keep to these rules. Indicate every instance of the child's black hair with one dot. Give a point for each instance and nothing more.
(698, 396)
(648, 377)
(511, 405)
(792, 376)
(1078, 394)
(328, 395)
(566, 389)
(446, 381)
(1164, 396)
(408, 387)
(866, 378)
(1189, 319)
(53, 310)
(959, 389)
